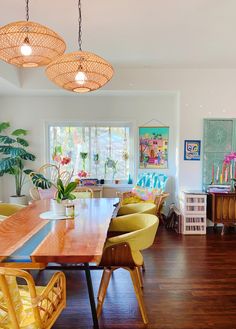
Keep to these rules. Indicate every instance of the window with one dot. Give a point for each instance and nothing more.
(102, 151)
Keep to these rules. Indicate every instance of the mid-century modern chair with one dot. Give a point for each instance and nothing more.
(133, 208)
(123, 251)
(28, 306)
(8, 209)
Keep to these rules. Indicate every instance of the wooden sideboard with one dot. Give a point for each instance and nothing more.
(221, 208)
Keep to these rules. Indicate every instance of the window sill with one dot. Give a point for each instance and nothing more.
(118, 185)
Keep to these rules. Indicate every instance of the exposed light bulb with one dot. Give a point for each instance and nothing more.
(25, 49)
(80, 78)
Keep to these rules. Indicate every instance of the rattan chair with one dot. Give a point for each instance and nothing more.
(123, 251)
(28, 306)
(83, 193)
(34, 194)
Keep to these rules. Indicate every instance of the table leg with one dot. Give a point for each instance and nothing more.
(91, 296)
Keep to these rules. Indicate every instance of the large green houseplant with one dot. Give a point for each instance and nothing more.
(13, 155)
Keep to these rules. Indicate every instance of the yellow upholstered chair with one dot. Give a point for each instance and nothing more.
(133, 208)
(83, 193)
(123, 251)
(8, 209)
(28, 306)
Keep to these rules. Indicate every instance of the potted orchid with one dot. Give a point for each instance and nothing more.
(63, 190)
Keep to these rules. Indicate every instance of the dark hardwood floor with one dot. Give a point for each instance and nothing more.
(189, 283)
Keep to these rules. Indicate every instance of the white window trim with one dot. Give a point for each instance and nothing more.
(63, 123)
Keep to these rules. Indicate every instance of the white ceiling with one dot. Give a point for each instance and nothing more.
(160, 33)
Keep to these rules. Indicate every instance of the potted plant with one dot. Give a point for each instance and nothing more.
(111, 164)
(13, 154)
(83, 156)
(63, 190)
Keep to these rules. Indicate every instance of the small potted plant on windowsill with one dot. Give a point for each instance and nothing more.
(111, 164)
(13, 150)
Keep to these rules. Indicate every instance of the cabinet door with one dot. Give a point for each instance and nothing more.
(218, 140)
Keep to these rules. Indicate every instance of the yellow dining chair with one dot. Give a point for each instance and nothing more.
(8, 209)
(123, 251)
(28, 306)
(83, 193)
(133, 208)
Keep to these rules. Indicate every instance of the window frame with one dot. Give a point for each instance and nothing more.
(74, 123)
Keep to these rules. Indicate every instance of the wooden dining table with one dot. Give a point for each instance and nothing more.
(28, 241)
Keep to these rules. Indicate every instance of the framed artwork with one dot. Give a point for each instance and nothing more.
(153, 147)
(192, 149)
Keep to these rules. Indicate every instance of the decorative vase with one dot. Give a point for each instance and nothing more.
(22, 200)
(130, 181)
(57, 208)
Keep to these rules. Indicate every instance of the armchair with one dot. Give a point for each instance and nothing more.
(28, 306)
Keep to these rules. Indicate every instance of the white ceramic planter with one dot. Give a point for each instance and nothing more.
(22, 200)
(57, 208)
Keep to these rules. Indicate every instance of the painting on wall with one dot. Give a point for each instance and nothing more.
(153, 147)
(192, 149)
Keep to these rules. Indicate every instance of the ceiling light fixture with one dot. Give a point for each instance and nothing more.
(29, 44)
(80, 71)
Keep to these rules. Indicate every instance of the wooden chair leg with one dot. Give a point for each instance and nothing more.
(140, 278)
(103, 289)
(138, 292)
(143, 267)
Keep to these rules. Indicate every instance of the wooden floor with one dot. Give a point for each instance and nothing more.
(190, 283)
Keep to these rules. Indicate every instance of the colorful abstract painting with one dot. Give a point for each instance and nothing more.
(153, 147)
(192, 149)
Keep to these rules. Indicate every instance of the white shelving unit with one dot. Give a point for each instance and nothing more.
(193, 209)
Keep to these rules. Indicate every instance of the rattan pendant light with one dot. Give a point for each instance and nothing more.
(29, 44)
(80, 71)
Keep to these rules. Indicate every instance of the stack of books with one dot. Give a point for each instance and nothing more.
(219, 188)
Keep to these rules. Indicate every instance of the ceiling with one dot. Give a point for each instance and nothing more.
(143, 34)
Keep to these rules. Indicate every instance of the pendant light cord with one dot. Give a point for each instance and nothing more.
(27, 9)
(80, 27)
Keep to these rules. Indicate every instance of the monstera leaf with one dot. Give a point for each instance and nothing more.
(38, 179)
(7, 163)
(4, 125)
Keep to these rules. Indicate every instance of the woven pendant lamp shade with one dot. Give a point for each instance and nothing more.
(64, 69)
(46, 45)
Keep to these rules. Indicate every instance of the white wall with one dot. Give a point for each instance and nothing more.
(195, 94)
(33, 113)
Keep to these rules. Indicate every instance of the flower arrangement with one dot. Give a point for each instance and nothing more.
(83, 174)
(229, 157)
(59, 158)
(63, 189)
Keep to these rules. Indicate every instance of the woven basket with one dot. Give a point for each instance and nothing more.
(46, 45)
(63, 70)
